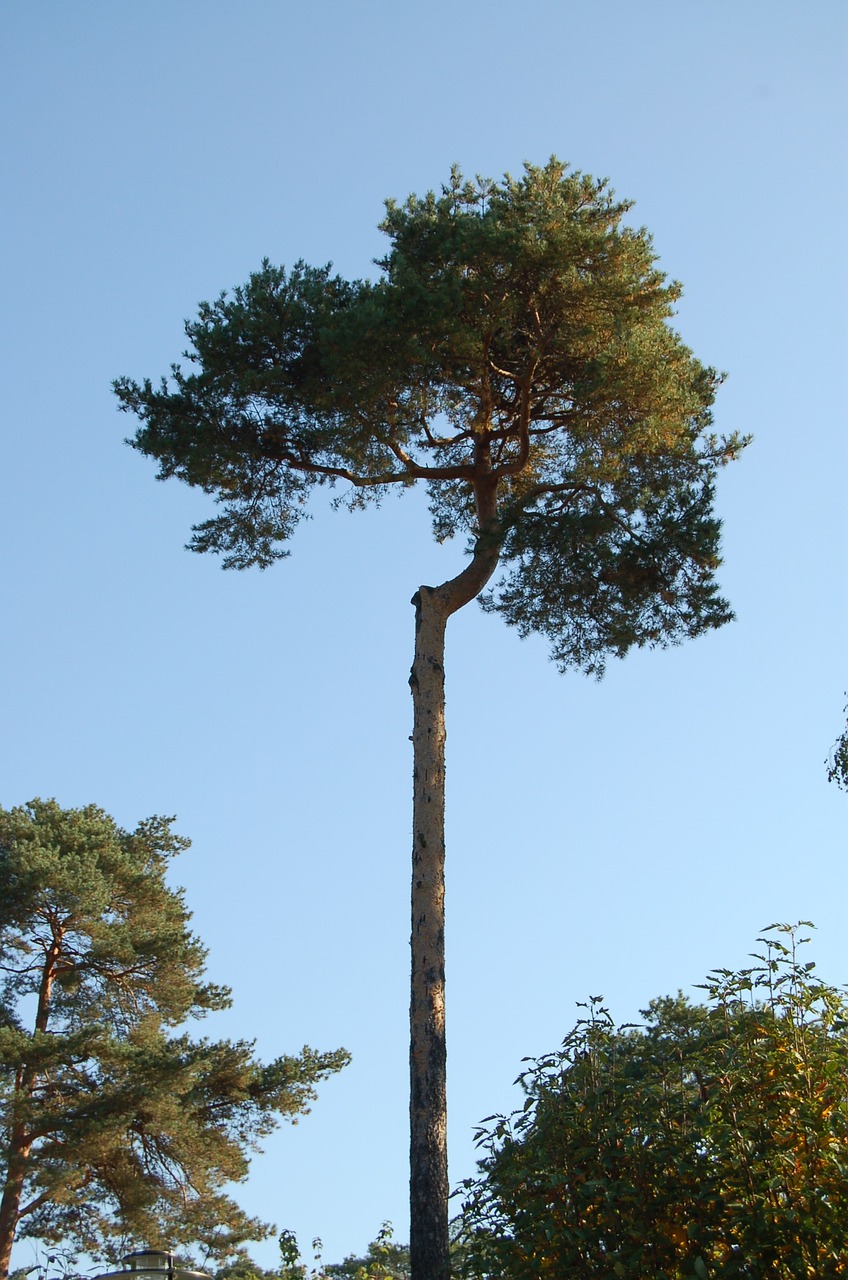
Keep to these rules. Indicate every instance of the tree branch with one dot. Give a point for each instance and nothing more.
(458, 591)
(412, 470)
(47, 1196)
(519, 462)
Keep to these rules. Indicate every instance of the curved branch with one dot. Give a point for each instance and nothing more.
(519, 462)
(502, 373)
(443, 442)
(458, 591)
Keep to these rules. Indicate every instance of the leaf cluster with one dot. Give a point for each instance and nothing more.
(711, 1141)
(837, 764)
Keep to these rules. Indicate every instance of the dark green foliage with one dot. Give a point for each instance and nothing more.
(517, 342)
(710, 1142)
(118, 1128)
(600, 580)
(837, 765)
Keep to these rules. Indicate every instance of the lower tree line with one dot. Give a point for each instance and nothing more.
(710, 1140)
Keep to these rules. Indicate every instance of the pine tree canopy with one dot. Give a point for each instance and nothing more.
(516, 355)
(119, 1129)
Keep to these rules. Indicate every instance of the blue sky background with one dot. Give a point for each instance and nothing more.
(622, 837)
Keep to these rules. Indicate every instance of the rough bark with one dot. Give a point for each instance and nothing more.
(428, 1184)
(428, 1187)
(20, 1141)
(18, 1163)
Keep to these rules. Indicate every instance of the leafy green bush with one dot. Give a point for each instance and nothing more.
(712, 1141)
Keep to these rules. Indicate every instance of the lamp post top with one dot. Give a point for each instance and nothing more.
(153, 1263)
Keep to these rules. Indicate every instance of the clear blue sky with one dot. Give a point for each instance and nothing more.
(621, 837)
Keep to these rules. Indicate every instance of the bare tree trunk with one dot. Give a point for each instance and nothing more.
(16, 1170)
(428, 1156)
(428, 1181)
(20, 1141)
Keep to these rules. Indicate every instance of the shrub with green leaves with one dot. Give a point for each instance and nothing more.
(711, 1141)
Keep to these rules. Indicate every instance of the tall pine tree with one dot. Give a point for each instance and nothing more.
(516, 357)
(117, 1127)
